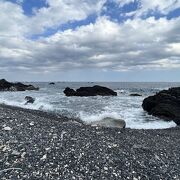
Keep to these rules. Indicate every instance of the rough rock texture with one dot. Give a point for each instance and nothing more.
(165, 104)
(42, 146)
(29, 99)
(90, 91)
(8, 86)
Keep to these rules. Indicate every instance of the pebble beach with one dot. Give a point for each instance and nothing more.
(40, 145)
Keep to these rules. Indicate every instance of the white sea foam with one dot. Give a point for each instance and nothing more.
(130, 122)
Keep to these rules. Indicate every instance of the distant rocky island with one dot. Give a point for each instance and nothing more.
(9, 86)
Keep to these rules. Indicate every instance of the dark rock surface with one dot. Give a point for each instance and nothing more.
(51, 83)
(8, 86)
(135, 94)
(165, 104)
(90, 91)
(29, 99)
(38, 145)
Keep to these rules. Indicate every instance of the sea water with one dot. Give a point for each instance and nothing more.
(129, 108)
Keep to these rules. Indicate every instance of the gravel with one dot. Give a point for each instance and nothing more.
(39, 145)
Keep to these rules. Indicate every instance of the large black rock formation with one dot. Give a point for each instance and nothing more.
(8, 86)
(165, 104)
(90, 91)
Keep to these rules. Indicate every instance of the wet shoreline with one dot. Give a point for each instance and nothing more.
(40, 145)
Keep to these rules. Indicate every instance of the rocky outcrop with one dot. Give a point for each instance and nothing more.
(29, 100)
(165, 104)
(90, 91)
(8, 86)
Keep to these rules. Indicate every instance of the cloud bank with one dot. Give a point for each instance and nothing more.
(141, 42)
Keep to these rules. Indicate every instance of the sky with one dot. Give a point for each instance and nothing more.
(90, 40)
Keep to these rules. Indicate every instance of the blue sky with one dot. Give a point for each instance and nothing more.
(90, 40)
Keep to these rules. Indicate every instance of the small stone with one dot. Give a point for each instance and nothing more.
(7, 128)
(105, 168)
(31, 123)
(4, 149)
(15, 153)
(47, 149)
(23, 154)
(44, 157)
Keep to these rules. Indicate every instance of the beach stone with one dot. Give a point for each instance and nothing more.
(90, 91)
(165, 104)
(15, 153)
(7, 128)
(110, 122)
(31, 123)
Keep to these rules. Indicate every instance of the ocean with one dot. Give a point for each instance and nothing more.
(51, 98)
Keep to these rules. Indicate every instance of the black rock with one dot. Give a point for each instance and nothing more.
(29, 99)
(165, 104)
(90, 91)
(51, 83)
(69, 92)
(135, 94)
(8, 86)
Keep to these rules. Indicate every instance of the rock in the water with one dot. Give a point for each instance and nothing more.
(110, 122)
(29, 99)
(8, 86)
(165, 104)
(135, 94)
(90, 91)
(69, 92)
(51, 83)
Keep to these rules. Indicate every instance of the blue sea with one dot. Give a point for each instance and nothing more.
(51, 98)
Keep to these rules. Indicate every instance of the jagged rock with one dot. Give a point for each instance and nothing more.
(165, 104)
(8, 86)
(90, 91)
(29, 99)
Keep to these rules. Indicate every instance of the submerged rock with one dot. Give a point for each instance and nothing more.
(8, 86)
(29, 99)
(165, 104)
(90, 91)
(110, 122)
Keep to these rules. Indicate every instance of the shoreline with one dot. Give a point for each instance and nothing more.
(41, 145)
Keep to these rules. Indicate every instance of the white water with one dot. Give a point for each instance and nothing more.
(89, 109)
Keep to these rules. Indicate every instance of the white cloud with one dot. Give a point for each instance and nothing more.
(14, 22)
(134, 44)
(164, 6)
(145, 6)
